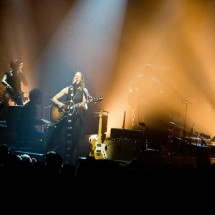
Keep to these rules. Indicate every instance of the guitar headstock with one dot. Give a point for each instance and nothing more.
(97, 99)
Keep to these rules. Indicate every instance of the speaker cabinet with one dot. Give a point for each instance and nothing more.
(123, 149)
(126, 134)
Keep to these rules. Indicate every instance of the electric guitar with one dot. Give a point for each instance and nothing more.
(98, 149)
(9, 91)
(56, 113)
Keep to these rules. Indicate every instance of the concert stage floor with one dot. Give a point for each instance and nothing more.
(123, 152)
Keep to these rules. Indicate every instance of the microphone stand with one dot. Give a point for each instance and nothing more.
(185, 121)
(144, 138)
(123, 124)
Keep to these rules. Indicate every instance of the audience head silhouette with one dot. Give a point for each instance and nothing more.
(35, 96)
(53, 160)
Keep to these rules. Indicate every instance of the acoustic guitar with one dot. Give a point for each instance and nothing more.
(56, 113)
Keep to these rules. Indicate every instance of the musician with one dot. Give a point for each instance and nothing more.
(31, 118)
(72, 129)
(12, 80)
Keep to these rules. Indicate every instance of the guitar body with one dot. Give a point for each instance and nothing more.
(99, 149)
(55, 114)
(10, 94)
(93, 146)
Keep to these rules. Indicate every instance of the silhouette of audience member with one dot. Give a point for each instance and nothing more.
(26, 160)
(30, 118)
(53, 163)
(203, 161)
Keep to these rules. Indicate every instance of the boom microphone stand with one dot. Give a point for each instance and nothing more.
(186, 102)
(144, 139)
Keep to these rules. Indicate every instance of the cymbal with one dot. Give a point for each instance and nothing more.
(171, 123)
(193, 138)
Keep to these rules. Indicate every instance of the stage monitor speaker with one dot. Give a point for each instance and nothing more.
(13, 116)
(123, 149)
(126, 133)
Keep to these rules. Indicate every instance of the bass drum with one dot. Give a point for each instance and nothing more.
(178, 146)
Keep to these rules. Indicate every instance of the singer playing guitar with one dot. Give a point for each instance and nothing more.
(71, 131)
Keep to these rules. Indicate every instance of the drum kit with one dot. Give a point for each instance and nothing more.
(180, 140)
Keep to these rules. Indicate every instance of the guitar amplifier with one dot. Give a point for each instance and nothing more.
(126, 133)
(123, 149)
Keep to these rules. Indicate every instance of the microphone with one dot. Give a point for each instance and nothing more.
(74, 82)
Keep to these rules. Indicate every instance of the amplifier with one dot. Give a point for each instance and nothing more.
(126, 133)
(123, 149)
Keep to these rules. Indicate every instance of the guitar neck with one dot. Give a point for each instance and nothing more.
(80, 104)
(100, 128)
(57, 113)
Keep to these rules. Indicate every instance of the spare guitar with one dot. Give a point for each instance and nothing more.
(56, 113)
(98, 149)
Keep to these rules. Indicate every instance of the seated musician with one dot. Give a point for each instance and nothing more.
(30, 117)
